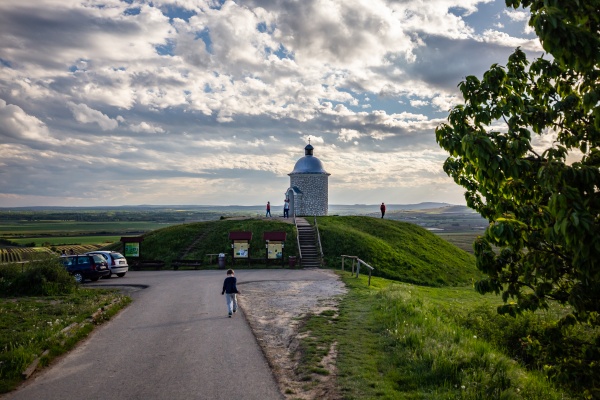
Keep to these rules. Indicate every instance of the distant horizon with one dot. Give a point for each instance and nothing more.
(423, 203)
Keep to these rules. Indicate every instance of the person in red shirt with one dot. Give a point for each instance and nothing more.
(268, 214)
(382, 208)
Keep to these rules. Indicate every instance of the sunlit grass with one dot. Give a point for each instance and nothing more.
(401, 341)
(397, 250)
(31, 325)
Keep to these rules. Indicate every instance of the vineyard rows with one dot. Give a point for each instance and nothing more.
(19, 254)
(78, 248)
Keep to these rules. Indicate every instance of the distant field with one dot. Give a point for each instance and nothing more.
(68, 240)
(64, 228)
(461, 240)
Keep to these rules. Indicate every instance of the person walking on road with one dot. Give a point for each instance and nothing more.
(382, 208)
(268, 214)
(230, 291)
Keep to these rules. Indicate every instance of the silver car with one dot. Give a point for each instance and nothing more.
(116, 262)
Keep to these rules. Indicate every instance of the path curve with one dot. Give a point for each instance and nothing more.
(174, 341)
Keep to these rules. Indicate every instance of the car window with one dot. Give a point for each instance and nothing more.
(116, 256)
(98, 258)
(83, 260)
(67, 261)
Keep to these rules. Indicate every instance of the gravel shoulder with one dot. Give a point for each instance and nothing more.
(274, 310)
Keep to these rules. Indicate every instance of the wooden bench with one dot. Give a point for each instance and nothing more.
(140, 264)
(186, 263)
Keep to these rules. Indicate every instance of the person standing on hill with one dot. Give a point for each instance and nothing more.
(268, 214)
(382, 208)
(286, 208)
(230, 291)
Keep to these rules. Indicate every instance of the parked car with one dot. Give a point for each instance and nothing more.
(116, 262)
(86, 266)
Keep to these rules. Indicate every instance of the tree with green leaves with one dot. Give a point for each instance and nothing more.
(526, 147)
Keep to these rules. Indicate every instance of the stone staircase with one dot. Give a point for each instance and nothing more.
(309, 247)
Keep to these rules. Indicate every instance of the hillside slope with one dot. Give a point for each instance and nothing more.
(397, 250)
(170, 243)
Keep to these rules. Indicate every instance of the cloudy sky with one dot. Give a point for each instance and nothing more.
(212, 102)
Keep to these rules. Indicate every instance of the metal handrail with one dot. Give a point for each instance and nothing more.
(319, 239)
(298, 237)
(357, 261)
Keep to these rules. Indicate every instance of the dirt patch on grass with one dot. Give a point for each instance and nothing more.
(275, 310)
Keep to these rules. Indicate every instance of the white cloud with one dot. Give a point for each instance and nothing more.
(347, 135)
(445, 102)
(419, 103)
(516, 15)
(16, 124)
(86, 115)
(146, 127)
(504, 39)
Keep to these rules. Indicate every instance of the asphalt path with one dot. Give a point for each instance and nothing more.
(175, 341)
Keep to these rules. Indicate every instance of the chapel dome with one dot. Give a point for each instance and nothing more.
(308, 164)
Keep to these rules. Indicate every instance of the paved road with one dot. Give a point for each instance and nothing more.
(174, 341)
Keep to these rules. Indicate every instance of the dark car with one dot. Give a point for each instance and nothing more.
(86, 266)
(116, 262)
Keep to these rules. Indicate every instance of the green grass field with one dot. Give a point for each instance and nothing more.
(462, 240)
(65, 228)
(68, 240)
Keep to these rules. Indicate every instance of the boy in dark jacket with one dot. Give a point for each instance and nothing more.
(230, 291)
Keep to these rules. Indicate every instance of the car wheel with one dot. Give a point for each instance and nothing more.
(122, 274)
(78, 277)
(94, 279)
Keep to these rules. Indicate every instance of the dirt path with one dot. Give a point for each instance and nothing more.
(274, 310)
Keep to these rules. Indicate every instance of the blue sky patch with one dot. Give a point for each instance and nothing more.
(166, 49)
(178, 12)
(205, 36)
(282, 53)
(132, 11)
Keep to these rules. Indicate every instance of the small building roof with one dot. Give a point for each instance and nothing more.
(132, 239)
(308, 164)
(240, 235)
(275, 236)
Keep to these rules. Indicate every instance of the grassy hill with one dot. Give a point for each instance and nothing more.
(170, 243)
(397, 250)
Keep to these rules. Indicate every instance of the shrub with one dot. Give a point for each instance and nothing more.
(569, 355)
(8, 274)
(45, 277)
